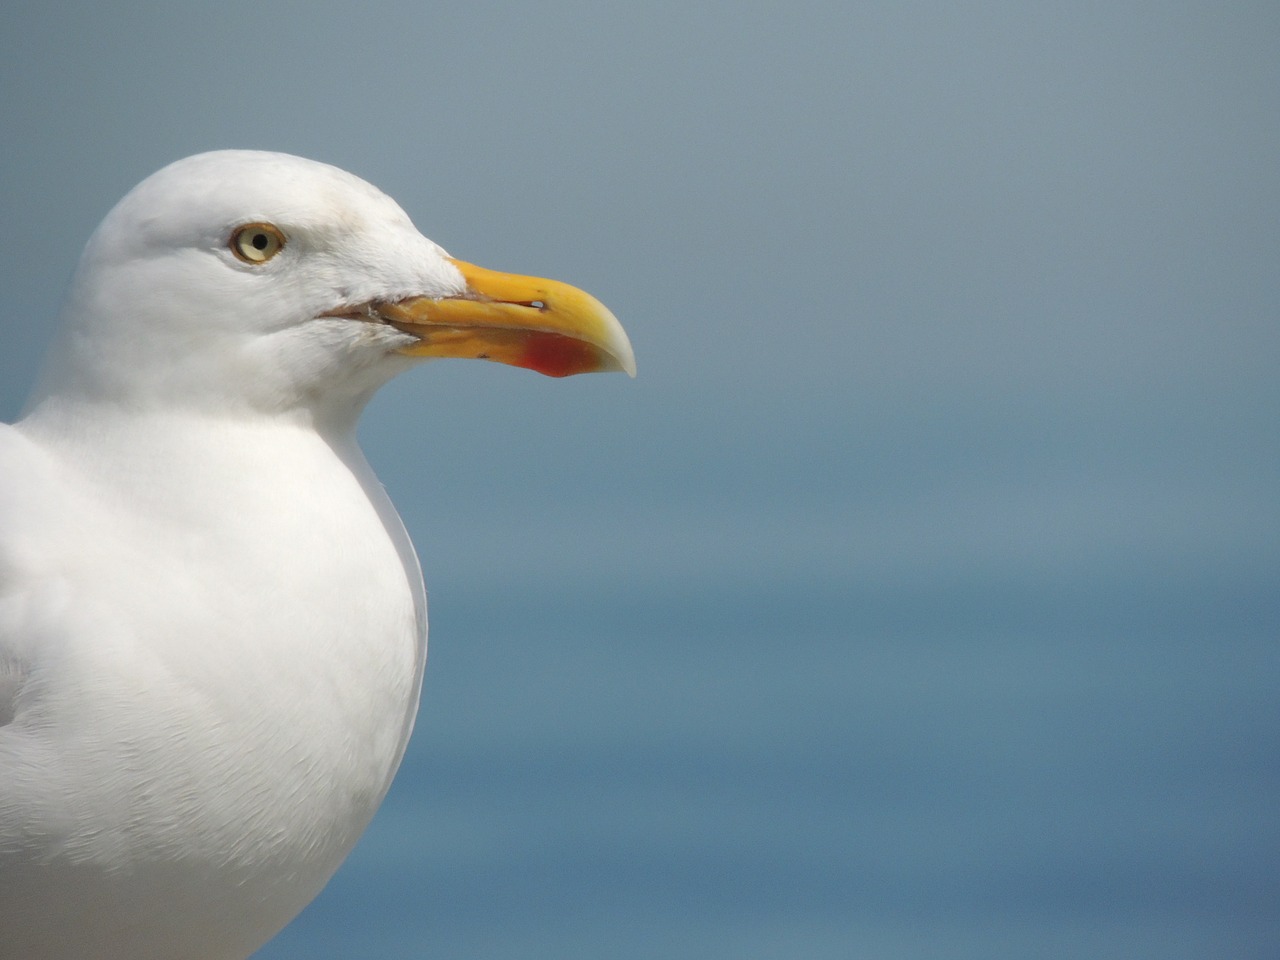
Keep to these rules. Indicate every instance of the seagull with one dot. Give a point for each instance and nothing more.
(212, 621)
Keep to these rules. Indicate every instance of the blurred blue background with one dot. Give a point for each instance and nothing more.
(921, 598)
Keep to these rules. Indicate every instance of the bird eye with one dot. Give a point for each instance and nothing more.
(257, 242)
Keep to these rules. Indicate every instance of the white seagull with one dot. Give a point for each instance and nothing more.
(212, 621)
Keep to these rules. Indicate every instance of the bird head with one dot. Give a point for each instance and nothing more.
(245, 278)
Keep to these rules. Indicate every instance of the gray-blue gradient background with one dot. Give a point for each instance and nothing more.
(922, 596)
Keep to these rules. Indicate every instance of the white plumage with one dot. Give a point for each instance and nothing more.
(212, 623)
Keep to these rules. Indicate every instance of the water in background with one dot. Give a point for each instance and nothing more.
(989, 769)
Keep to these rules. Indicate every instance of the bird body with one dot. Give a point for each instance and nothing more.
(305, 657)
(212, 621)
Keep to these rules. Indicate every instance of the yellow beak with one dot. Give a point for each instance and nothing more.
(542, 325)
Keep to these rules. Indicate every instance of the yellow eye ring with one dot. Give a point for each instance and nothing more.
(257, 242)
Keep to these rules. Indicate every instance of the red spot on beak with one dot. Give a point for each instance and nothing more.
(558, 356)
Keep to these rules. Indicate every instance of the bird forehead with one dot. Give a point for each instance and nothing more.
(210, 193)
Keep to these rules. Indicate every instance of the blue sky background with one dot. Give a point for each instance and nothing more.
(921, 597)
